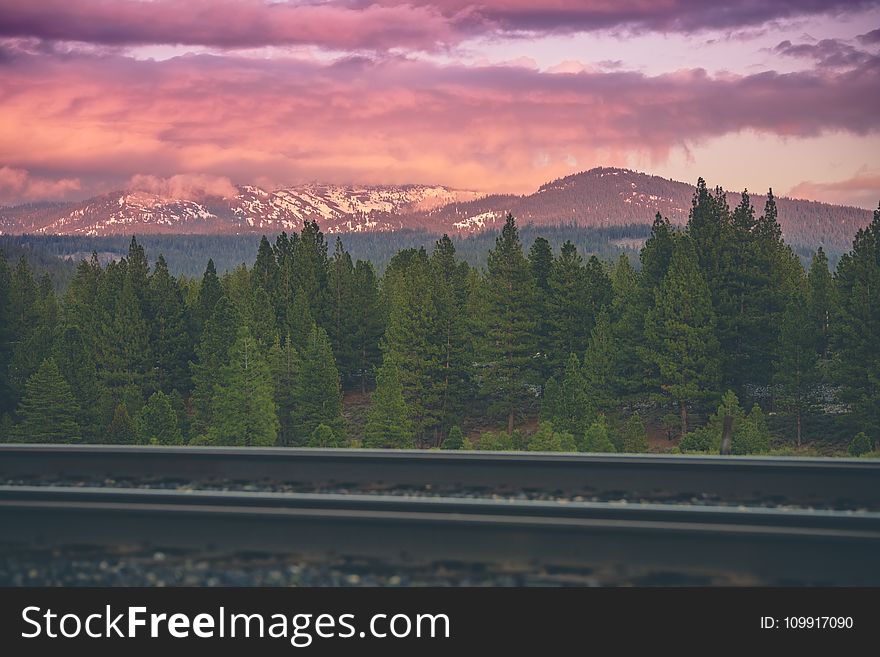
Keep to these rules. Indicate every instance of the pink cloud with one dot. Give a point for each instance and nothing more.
(17, 185)
(378, 24)
(862, 189)
(183, 186)
(395, 120)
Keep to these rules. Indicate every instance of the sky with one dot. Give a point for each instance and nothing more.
(192, 97)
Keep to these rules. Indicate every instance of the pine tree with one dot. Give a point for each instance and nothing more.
(137, 271)
(546, 439)
(265, 273)
(34, 342)
(6, 337)
(285, 365)
(541, 264)
(341, 318)
(656, 256)
(602, 379)
(388, 420)
(860, 444)
(310, 267)
(509, 343)
(78, 368)
(453, 378)
(157, 422)
(210, 292)
(129, 354)
(412, 342)
(317, 396)
(212, 353)
(122, 430)
(170, 344)
(568, 404)
(633, 437)
(261, 319)
(243, 406)
(48, 409)
(368, 322)
(624, 333)
(752, 436)
(454, 440)
(795, 369)
(822, 302)
(680, 334)
(299, 318)
(568, 311)
(597, 437)
(323, 436)
(856, 329)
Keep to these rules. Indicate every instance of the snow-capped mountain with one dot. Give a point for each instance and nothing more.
(596, 198)
(336, 208)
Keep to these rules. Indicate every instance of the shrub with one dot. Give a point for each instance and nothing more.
(323, 436)
(455, 439)
(861, 444)
(496, 442)
(548, 440)
(596, 438)
(633, 437)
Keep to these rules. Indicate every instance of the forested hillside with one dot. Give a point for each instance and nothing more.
(187, 254)
(541, 349)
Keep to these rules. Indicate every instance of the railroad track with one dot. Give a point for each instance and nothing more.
(783, 545)
(844, 483)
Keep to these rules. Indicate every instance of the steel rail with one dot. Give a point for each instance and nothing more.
(766, 545)
(852, 483)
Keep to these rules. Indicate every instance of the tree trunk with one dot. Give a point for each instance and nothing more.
(510, 423)
(726, 434)
(684, 420)
(799, 428)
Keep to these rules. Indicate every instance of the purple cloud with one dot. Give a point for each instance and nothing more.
(378, 24)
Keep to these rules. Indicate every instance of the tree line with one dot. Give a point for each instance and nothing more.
(719, 319)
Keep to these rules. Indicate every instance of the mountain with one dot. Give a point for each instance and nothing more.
(605, 197)
(599, 197)
(339, 209)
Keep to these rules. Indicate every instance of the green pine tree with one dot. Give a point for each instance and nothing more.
(455, 439)
(388, 420)
(856, 329)
(157, 422)
(212, 353)
(412, 342)
(285, 365)
(795, 370)
(341, 318)
(210, 292)
(568, 404)
(77, 366)
(451, 339)
(48, 410)
(122, 429)
(822, 302)
(317, 395)
(597, 437)
(680, 334)
(546, 439)
(170, 343)
(509, 341)
(633, 436)
(323, 436)
(243, 408)
(368, 321)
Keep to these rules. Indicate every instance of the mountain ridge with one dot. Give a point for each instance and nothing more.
(599, 197)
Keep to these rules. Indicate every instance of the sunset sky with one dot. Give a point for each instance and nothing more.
(192, 96)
